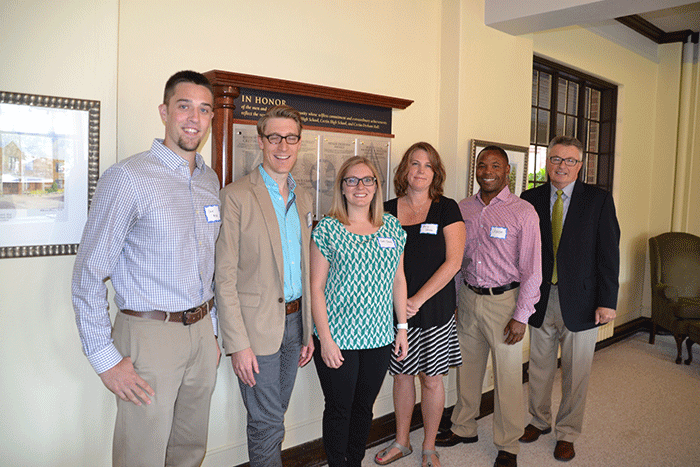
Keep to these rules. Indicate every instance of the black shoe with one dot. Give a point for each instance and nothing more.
(448, 438)
(506, 459)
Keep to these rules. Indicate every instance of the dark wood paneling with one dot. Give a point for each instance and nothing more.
(646, 29)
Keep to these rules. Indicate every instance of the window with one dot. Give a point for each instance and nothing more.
(568, 102)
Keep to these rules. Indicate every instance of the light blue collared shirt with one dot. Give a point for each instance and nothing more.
(565, 197)
(290, 233)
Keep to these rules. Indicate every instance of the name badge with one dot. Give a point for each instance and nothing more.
(212, 213)
(499, 232)
(386, 242)
(309, 219)
(430, 229)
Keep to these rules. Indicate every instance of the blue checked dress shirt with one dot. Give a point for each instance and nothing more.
(151, 228)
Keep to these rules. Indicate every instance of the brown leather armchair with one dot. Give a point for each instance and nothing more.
(675, 285)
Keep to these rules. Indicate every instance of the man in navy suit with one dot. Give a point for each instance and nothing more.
(580, 267)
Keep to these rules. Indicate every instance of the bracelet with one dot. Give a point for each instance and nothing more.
(402, 326)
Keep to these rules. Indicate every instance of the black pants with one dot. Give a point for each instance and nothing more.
(349, 393)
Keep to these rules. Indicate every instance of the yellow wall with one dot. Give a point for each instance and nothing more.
(467, 80)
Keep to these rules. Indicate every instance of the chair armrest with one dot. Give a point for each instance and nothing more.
(667, 291)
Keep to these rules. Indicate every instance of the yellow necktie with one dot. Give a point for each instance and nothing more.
(557, 216)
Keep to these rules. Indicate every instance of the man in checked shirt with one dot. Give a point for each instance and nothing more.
(500, 280)
(152, 229)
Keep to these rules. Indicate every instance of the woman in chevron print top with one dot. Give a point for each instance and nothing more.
(357, 281)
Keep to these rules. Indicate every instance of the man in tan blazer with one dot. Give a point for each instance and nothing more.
(262, 282)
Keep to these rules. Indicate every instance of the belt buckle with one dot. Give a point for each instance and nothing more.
(185, 314)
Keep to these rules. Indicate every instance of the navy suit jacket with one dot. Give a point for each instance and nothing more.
(588, 258)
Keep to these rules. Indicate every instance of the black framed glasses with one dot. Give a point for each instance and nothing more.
(274, 138)
(558, 160)
(354, 181)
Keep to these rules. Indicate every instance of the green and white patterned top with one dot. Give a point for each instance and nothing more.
(359, 289)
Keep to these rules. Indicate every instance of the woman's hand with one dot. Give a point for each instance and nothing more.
(401, 344)
(331, 354)
(412, 307)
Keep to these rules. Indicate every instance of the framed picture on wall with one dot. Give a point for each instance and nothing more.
(517, 158)
(49, 156)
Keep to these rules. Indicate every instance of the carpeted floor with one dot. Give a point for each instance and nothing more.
(642, 410)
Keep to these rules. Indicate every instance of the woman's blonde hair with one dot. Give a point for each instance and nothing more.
(339, 206)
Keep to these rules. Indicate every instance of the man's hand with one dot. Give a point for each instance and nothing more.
(123, 381)
(604, 315)
(245, 365)
(514, 332)
(307, 351)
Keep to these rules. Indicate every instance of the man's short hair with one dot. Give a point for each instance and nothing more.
(497, 149)
(279, 111)
(185, 76)
(566, 141)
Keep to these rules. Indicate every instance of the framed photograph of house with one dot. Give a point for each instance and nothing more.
(517, 158)
(49, 165)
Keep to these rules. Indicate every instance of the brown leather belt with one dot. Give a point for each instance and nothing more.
(186, 317)
(492, 290)
(293, 306)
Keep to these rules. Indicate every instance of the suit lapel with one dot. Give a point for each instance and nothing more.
(574, 214)
(270, 217)
(542, 209)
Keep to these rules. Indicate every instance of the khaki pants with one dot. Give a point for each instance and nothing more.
(577, 350)
(179, 363)
(481, 321)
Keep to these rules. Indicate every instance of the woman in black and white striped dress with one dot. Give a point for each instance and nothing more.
(432, 257)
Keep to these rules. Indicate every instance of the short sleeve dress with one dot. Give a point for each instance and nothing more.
(360, 284)
(432, 334)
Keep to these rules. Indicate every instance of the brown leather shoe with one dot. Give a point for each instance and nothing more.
(564, 451)
(448, 438)
(506, 459)
(532, 433)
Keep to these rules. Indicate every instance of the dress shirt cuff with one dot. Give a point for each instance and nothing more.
(105, 359)
(522, 315)
(214, 320)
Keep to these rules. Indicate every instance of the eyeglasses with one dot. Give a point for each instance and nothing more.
(570, 161)
(274, 138)
(354, 181)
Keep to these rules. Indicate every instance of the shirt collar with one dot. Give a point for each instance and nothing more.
(568, 190)
(503, 195)
(172, 160)
(271, 184)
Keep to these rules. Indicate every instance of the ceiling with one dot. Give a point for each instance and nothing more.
(662, 21)
(680, 18)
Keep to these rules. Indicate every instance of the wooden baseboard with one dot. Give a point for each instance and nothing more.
(383, 429)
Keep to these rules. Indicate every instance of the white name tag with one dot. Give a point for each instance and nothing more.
(430, 229)
(309, 219)
(212, 213)
(499, 232)
(386, 242)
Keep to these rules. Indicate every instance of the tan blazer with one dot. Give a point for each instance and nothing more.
(250, 267)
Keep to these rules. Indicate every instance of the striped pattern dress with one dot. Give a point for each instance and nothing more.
(432, 334)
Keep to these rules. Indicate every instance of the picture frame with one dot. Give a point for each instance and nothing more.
(517, 158)
(49, 166)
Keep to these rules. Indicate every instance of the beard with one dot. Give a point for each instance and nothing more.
(188, 145)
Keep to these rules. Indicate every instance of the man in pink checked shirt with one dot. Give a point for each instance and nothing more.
(500, 279)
